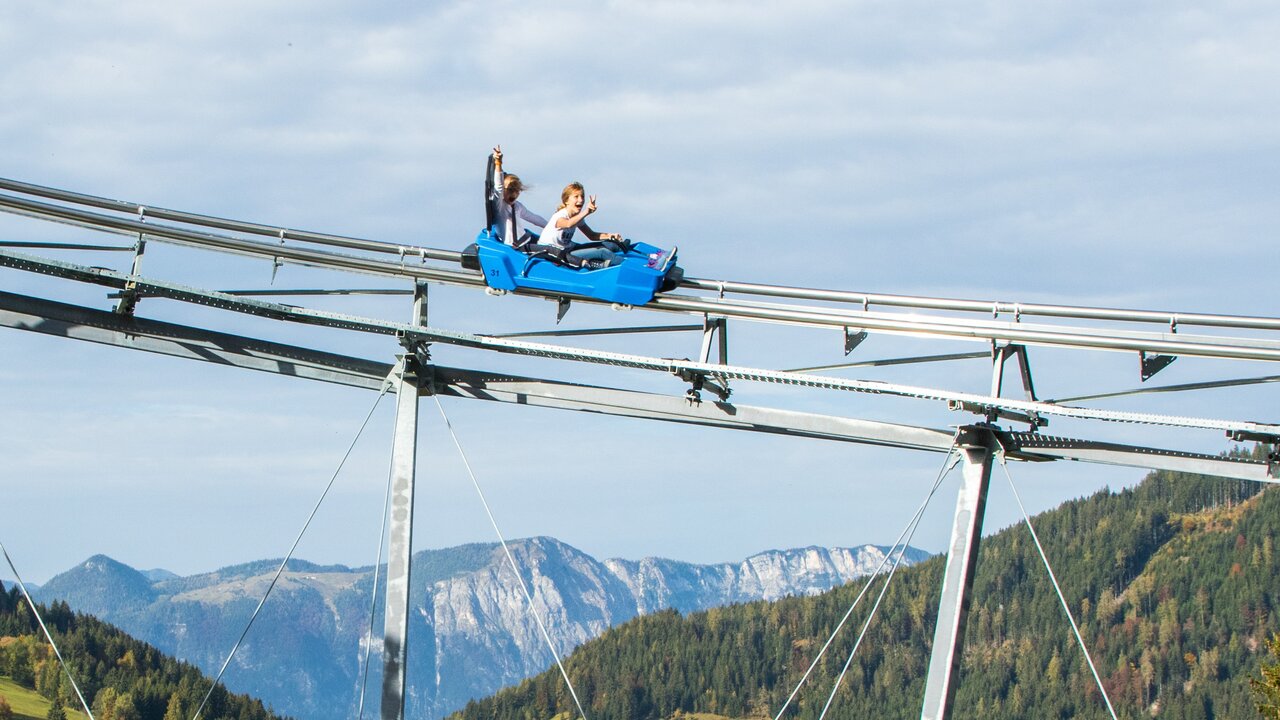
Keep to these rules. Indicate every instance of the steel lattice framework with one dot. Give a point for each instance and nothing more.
(1156, 337)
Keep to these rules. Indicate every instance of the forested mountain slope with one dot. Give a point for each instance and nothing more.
(122, 678)
(1173, 583)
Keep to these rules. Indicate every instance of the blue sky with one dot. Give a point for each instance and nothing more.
(1106, 154)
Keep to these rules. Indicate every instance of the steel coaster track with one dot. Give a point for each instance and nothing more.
(426, 334)
(977, 448)
(1170, 343)
(995, 308)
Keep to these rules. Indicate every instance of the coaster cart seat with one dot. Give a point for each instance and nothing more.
(644, 270)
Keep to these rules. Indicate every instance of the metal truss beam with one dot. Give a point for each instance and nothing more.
(981, 404)
(1038, 447)
(532, 392)
(80, 323)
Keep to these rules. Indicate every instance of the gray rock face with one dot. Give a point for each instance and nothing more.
(470, 635)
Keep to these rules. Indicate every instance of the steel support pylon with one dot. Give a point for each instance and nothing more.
(395, 643)
(976, 445)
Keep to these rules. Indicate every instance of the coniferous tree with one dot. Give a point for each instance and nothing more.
(122, 678)
(176, 709)
(1171, 583)
(1266, 686)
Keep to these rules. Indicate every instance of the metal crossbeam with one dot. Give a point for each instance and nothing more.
(982, 404)
(417, 375)
(80, 323)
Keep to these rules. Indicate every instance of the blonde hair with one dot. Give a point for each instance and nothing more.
(570, 189)
(511, 181)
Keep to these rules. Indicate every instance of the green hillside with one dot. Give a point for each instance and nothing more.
(124, 679)
(1173, 582)
(27, 704)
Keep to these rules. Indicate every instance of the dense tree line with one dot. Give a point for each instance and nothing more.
(122, 678)
(1173, 583)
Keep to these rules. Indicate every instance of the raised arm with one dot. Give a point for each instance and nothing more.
(497, 171)
(572, 220)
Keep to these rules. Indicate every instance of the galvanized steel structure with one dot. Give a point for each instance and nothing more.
(1155, 337)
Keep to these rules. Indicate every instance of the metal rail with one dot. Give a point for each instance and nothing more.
(955, 400)
(950, 327)
(976, 441)
(209, 221)
(995, 308)
(959, 329)
(239, 246)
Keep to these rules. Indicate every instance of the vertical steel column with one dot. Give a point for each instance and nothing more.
(395, 644)
(976, 443)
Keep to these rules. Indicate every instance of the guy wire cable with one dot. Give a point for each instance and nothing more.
(288, 556)
(373, 602)
(65, 668)
(870, 616)
(514, 567)
(1212, 385)
(1056, 588)
(948, 463)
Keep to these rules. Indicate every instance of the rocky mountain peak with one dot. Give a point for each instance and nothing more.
(471, 632)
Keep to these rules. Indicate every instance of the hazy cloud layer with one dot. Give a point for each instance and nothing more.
(1093, 153)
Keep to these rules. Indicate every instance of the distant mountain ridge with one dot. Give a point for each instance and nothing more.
(470, 633)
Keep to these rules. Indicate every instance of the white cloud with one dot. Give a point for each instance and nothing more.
(1088, 152)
